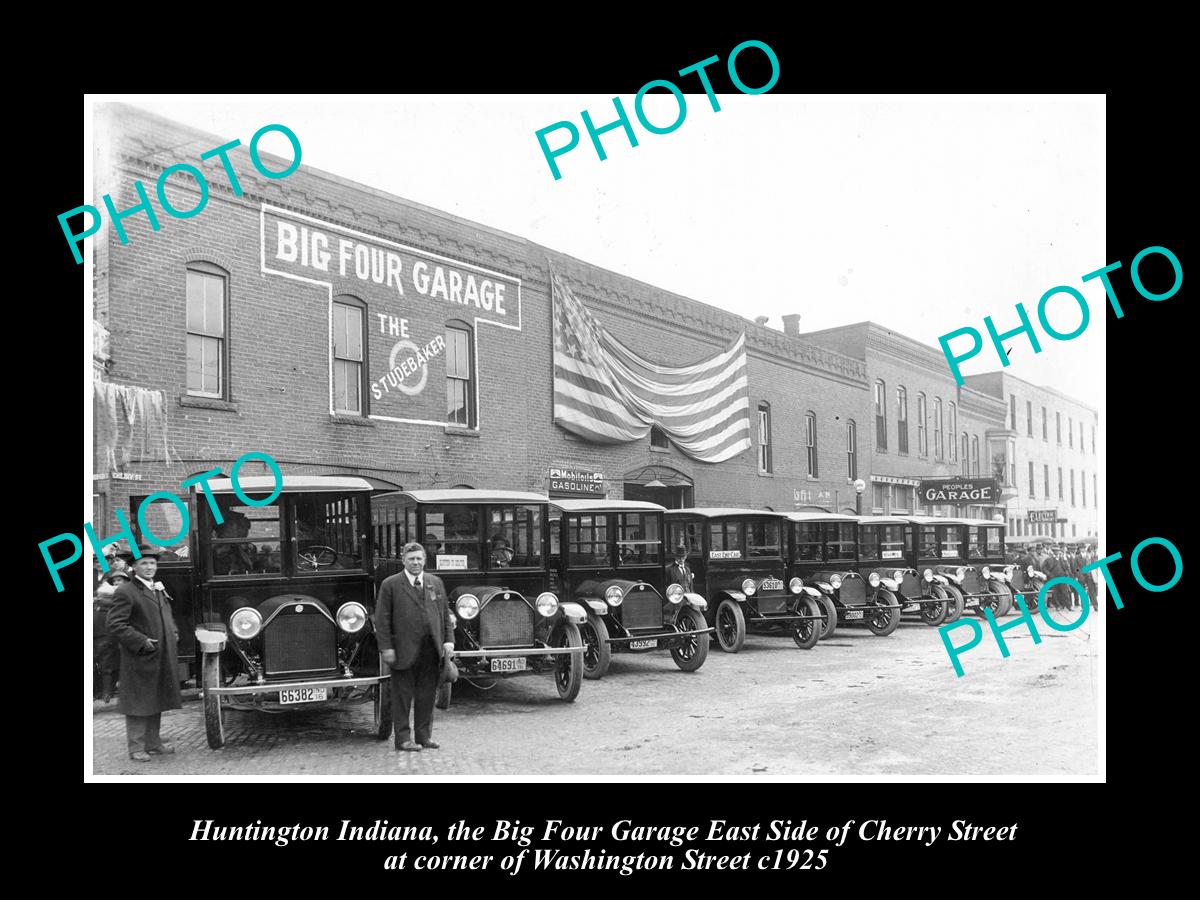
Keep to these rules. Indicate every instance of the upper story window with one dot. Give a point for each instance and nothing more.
(975, 456)
(902, 419)
(460, 393)
(1070, 433)
(965, 447)
(764, 437)
(658, 438)
(1031, 491)
(880, 415)
(1058, 428)
(207, 299)
(922, 431)
(1045, 425)
(1093, 439)
(810, 442)
(1012, 411)
(349, 370)
(1046, 480)
(1029, 418)
(953, 431)
(1060, 483)
(851, 450)
(939, 446)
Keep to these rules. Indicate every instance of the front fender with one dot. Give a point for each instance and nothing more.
(574, 613)
(696, 601)
(735, 595)
(599, 607)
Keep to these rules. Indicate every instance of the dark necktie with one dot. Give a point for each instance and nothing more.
(417, 584)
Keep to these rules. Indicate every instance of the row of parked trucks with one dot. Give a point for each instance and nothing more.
(277, 600)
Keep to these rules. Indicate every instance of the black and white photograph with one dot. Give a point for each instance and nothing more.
(509, 436)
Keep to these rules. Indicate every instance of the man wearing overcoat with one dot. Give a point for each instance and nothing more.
(141, 621)
(678, 571)
(415, 632)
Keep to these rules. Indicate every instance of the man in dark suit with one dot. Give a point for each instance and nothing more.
(415, 633)
(678, 571)
(141, 621)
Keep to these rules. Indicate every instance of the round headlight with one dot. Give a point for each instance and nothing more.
(675, 593)
(614, 596)
(987, 572)
(245, 623)
(1029, 571)
(873, 579)
(962, 573)
(898, 574)
(835, 582)
(467, 606)
(928, 574)
(547, 604)
(748, 587)
(795, 584)
(351, 617)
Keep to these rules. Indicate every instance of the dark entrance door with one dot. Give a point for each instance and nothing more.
(670, 497)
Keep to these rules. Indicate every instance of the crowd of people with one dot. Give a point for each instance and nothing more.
(1062, 561)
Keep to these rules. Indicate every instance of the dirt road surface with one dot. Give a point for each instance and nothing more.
(856, 705)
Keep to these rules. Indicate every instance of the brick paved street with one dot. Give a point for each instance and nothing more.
(855, 705)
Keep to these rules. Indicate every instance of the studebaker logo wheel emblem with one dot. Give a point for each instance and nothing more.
(299, 607)
(506, 596)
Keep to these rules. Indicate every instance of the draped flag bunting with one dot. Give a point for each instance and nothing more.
(606, 393)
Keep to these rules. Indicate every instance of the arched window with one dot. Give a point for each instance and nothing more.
(975, 456)
(922, 432)
(880, 415)
(810, 442)
(207, 314)
(939, 445)
(851, 450)
(965, 447)
(764, 438)
(349, 359)
(902, 419)
(953, 431)
(460, 375)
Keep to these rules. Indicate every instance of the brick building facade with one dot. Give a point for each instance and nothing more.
(344, 330)
(1054, 466)
(291, 320)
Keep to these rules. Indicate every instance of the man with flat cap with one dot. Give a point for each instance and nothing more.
(141, 621)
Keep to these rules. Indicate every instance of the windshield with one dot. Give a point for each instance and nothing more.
(638, 539)
(326, 531)
(808, 541)
(514, 536)
(587, 541)
(841, 541)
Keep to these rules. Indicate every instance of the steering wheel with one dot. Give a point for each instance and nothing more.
(315, 556)
(502, 557)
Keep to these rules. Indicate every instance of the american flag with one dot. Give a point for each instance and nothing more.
(606, 393)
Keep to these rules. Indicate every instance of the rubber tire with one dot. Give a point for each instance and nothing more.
(1006, 602)
(442, 700)
(599, 631)
(830, 612)
(953, 613)
(691, 618)
(939, 612)
(568, 668)
(807, 633)
(214, 721)
(734, 611)
(381, 705)
(893, 614)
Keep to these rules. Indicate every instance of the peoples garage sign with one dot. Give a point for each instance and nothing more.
(959, 490)
(410, 295)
